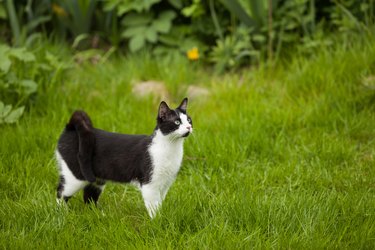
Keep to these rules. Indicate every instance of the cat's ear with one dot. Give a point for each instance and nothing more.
(163, 110)
(183, 105)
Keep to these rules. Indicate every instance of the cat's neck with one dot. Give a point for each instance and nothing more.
(159, 137)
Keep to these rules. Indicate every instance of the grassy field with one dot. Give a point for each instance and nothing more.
(281, 157)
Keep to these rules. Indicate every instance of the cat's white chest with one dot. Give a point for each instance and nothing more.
(166, 157)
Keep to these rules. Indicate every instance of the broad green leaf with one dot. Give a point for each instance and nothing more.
(136, 43)
(141, 5)
(5, 111)
(168, 15)
(176, 3)
(169, 40)
(259, 38)
(236, 9)
(11, 77)
(151, 35)
(188, 11)
(164, 23)
(162, 26)
(124, 8)
(52, 59)
(22, 55)
(5, 64)
(134, 31)
(4, 50)
(45, 66)
(259, 10)
(14, 115)
(134, 19)
(110, 5)
(29, 86)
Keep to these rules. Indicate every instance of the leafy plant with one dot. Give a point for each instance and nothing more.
(21, 74)
(126, 6)
(176, 26)
(12, 61)
(194, 10)
(144, 28)
(178, 42)
(75, 16)
(233, 50)
(140, 24)
(239, 12)
(26, 19)
(350, 16)
(8, 114)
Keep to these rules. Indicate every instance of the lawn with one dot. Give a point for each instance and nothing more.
(281, 157)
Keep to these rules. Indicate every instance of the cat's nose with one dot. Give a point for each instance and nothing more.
(188, 127)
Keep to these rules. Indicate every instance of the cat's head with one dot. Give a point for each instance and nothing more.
(175, 123)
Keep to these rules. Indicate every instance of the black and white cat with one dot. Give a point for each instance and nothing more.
(88, 157)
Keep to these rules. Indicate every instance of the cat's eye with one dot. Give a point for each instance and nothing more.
(177, 122)
(189, 120)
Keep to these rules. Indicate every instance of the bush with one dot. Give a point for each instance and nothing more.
(231, 33)
(21, 74)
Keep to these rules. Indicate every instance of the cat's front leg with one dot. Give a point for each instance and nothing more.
(152, 198)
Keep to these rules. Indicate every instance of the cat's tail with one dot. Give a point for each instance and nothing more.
(81, 123)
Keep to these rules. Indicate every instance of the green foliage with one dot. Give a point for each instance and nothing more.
(177, 42)
(274, 27)
(78, 17)
(8, 114)
(125, 6)
(234, 50)
(195, 10)
(21, 74)
(142, 28)
(12, 63)
(350, 16)
(26, 19)
(237, 10)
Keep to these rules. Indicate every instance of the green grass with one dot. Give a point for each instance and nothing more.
(281, 157)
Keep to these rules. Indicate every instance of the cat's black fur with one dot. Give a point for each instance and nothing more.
(116, 157)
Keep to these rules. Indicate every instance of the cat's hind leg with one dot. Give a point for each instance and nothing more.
(60, 188)
(92, 191)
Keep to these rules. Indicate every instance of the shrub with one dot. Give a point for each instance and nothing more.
(21, 74)
(231, 33)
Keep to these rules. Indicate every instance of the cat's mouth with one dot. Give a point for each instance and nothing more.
(186, 134)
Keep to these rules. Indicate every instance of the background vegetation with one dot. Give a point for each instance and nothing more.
(283, 150)
(226, 34)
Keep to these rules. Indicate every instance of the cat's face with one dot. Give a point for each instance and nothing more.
(174, 123)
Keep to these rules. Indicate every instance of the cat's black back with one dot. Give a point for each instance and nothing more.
(116, 157)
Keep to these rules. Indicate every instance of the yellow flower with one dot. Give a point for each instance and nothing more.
(58, 10)
(193, 54)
